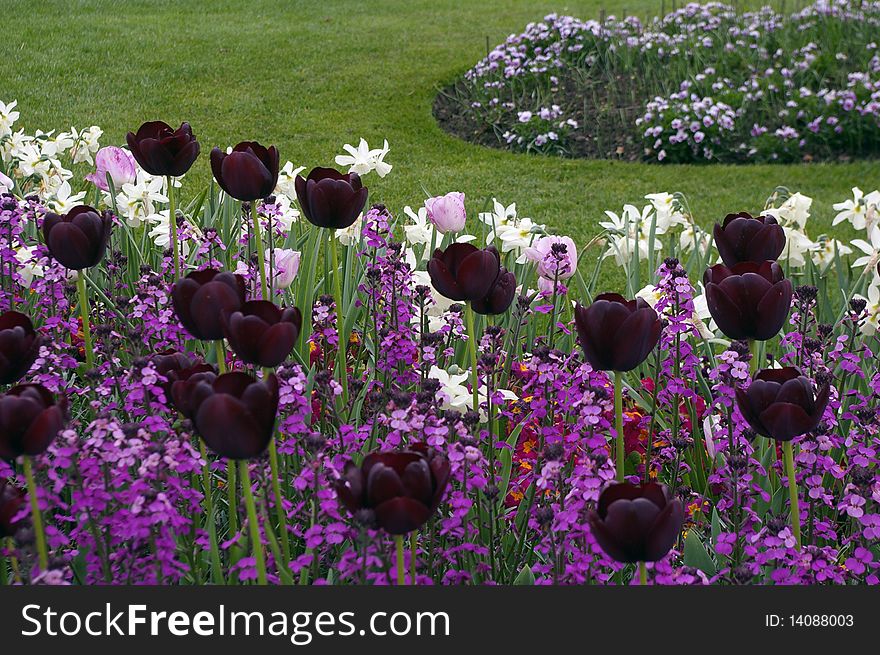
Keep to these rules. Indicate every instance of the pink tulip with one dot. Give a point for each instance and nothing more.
(286, 264)
(559, 262)
(447, 212)
(6, 184)
(118, 163)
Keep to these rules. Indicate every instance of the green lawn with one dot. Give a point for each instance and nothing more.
(310, 76)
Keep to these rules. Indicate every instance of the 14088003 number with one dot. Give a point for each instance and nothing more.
(821, 620)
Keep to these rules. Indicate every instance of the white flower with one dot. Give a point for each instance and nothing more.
(436, 309)
(6, 184)
(421, 230)
(651, 294)
(363, 160)
(287, 180)
(63, 201)
(872, 322)
(136, 200)
(458, 397)
(352, 234)
(795, 211)
(54, 146)
(500, 215)
(161, 232)
(29, 269)
(7, 117)
(85, 144)
(668, 210)
(870, 249)
(823, 255)
(286, 265)
(861, 211)
(797, 246)
(693, 236)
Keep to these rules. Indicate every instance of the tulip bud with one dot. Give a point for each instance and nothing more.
(19, 346)
(746, 238)
(447, 212)
(262, 334)
(174, 366)
(750, 300)
(30, 419)
(234, 414)
(249, 172)
(780, 403)
(331, 199)
(636, 523)
(78, 239)
(617, 334)
(162, 151)
(201, 297)
(464, 272)
(402, 488)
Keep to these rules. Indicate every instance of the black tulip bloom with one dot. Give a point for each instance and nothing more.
(746, 238)
(636, 523)
(235, 413)
(161, 150)
(261, 333)
(781, 403)
(331, 199)
(183, 388)
(749, 301)
(19, 346)
(463, 272)
(174, 365)
(617, 334)
(500, 296)
(403, 488)
(78, 239)
(249, 172)
(30, 419)
(11, 501)
(202, 297)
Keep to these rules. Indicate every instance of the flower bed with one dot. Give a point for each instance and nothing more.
(177, 406)
(702, 83)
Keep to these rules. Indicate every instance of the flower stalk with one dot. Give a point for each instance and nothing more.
(84, 314)
(36, 515)
(618, 424)
(256, 542)
(172, 227)
(788, 454)
(401, 566)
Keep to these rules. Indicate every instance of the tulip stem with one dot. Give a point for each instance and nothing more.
(472, 348)
(84, 314)
(788, 453)
(257, 544)
(172, 226)
(643, 574)
(341, 348)
(36, 516)
(216, 567)
(753, 362)
(279, 504)
(221, 355)
(261, 256)
(401, 567)
(413, 548)
(618, 423)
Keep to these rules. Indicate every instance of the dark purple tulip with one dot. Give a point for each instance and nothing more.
(30, 419)
(500, 296)
(174, 365)
(19, 346)
(11, 502)
(234, 413)
(781, 404)
(329, 198)
(201, 298)
(249, 172)
(78, 239)
(636, 523)
(401, 489)
(261, 333)
(162, 151)
(183, 389)
(749, 301)
(617, 334)
(746, 238)
(464, 272)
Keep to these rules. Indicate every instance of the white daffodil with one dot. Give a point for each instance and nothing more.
(137, 200)
(161, 232)
(861, 211)
(693, 236)
(286, 185)
(458, 397)
(29, 269)
(870, 249)
(352, 234)
(7, 117)
(824, 254)
(797, 247)
(55, 145)
(86, 144)
(795, 211)
(13, 144)
(668, 211)
(363, 160)
(500, 215)
(872, 323)
(65, 200)
(421, 230)
(651, 294)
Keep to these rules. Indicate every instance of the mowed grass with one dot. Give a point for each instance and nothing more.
(310, 76)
